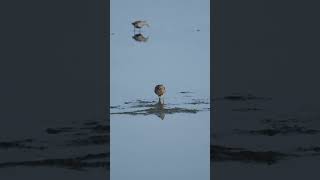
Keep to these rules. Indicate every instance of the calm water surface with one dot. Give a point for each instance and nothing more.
(171, 141)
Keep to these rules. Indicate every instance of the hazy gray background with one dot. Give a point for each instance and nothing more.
(50, 64)
(52, 73)
(268, 48)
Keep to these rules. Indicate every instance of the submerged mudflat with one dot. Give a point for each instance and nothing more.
(184, 104)
(67, 139)
(250, 131)
(90, 135)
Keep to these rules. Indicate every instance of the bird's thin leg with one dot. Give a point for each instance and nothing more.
(161, 100)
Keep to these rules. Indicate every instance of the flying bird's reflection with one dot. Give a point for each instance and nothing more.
(140, 38)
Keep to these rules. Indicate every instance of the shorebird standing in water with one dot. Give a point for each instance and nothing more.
(160, 90)
(139, 25)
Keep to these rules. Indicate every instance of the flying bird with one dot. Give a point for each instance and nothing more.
(139, 24)
(160, 90)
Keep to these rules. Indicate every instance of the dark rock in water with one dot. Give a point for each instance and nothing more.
(247, 109)
(77, 163)
(98, 128)
(59, 130)
(90, 123)
(114, 107)
(239, 97)
(221, 153)
(236, 98)
(309, 149)
(185, 92)
(144, 102)
(101, 129)
(80, 134)
(275, 122)
(198, 101)
(283, 130)
(140, 104)
(92, 140)
(20, 145)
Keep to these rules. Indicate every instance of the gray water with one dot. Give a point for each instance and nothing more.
(150, 141)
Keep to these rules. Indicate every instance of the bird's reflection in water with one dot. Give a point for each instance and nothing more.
(159, 109)
(140, 38)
